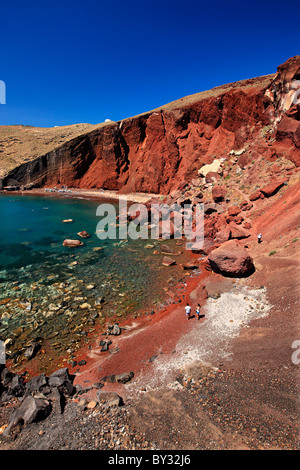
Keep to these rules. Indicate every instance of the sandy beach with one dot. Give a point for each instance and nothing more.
(89, 194)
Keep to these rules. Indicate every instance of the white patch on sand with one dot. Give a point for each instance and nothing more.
(209, 340)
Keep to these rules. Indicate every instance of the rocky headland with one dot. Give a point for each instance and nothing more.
(231, 379)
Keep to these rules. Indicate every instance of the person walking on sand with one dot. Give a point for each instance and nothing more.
(259, 238)
(188, 311)
(198, 311)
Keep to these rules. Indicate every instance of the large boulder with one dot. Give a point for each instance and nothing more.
(232, 260)
(62, 380)
(272, 188)
(218, 193)
(223, 235)
(31, 410)
(238, 232)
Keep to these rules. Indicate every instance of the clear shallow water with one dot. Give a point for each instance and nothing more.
(60, 293)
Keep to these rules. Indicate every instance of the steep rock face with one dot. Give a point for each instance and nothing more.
(283, 97)
(158, 150)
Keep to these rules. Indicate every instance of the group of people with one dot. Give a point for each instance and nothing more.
(188, 311)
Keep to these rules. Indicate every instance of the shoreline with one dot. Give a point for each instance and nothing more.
(94, 194)
(161, 312)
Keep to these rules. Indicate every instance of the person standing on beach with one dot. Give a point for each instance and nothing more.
(198, 311)
(188, 311)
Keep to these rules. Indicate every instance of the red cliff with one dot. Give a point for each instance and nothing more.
(156, 151)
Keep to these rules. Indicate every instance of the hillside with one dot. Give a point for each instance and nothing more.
(156, 151)
(20, 144)
(230, 380)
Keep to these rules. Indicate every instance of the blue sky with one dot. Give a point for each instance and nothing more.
(86, 61)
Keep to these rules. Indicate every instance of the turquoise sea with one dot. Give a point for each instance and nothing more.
(60, 294)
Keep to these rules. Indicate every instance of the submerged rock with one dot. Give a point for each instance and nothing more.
(83, 234)
(69, 242)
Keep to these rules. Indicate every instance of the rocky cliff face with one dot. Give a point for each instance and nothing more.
(156, 151)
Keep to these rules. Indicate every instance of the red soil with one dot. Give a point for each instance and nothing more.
(144, 338)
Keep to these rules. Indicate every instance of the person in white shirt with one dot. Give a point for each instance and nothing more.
(188, 311)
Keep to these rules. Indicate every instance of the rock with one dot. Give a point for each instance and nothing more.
(74, 263)
(92, 404)
(238, 232)
(72, 243)
(289, 128)
(6, 377)
(190, 265)
(238, 219)
(62, 380)
(82, 362)
(211, 207)
(16, 387)
(90, 286)
(32, 350)
(246, 206)
(233, 210)
(167, 250)
(218, 193)
(31, 410)
(116, 330)
(105, 345)
(206, 247)
(197, 369)
(244, 160)
(256, 195)
(124, 378)
(213, 167)
(109, 399)
(211, 177)
(167, 261)
(85, 306)
(37, 384)
(272, 188)
(223, 235)
(83, 234)
(231, 259)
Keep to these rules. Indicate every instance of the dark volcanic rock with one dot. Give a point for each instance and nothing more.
(31, 410)
(62, 380)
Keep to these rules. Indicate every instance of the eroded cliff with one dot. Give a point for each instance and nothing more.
(156, 151)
